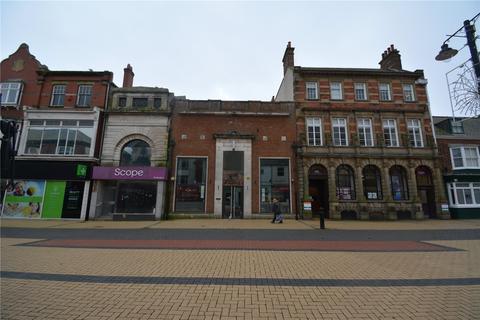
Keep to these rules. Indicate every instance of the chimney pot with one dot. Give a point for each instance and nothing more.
(391, 59)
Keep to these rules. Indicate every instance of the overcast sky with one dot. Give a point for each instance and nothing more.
(233, 50)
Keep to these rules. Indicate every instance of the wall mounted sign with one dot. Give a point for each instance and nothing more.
(129, 173)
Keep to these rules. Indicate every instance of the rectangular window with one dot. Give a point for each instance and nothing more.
(312, 90)
(157, 103)
(58, 95)
(122, 102)
(365, 136)
(457, 127)
(465, 157)
(384, 92)
(339, 128)
(390, 133)
(360, 91)
(314, 129)
(60, 137)
(415, 133)
(190, 185)
(84, 96)
(10, 93)
(274, 183)
(336, 91)
(408, 93)
(140, 102)
(464, 194)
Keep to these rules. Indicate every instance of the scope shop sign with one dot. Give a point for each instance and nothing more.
(129, 173)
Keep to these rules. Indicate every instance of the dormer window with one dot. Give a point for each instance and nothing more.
(457, 127)
(10, 93)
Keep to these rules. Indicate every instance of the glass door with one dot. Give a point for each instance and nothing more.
(233, 184)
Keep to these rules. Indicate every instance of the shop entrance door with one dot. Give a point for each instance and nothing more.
(318, 190)
(426, 191)
(232, 204)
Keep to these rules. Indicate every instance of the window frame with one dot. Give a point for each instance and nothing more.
(411, 126)
(413, 95)
(8, 89)
(313, 85)
(365, 92)
(203, 183)
(340, 90)
(312, 120)
(464, 157)
(361, 126)
(144, 144)
(390, 132)
(345, 127)
(80, 95)
(59, 95)
(404, 192)
(389, 91)
(453, 193)
(378, 182)
(351, 188)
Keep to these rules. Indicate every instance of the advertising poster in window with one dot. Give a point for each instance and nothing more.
(24, 199)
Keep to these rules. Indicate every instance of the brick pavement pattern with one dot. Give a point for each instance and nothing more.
(23, 298)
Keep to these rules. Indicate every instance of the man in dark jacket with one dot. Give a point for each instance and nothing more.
(276, 211)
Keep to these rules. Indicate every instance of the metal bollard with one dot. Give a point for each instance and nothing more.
(322, 220)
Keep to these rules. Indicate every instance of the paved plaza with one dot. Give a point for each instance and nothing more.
(240, 269)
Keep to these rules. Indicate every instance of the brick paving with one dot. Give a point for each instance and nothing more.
(39, 282)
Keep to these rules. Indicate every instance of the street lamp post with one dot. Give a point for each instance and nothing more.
(446, 52)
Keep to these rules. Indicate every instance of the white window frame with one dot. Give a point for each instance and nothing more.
(382, 90)
(365, 124)
(337, 124)
(6, 88)
(464, 157)
(336, 88)
(56, 91)
(459, 188)
(392, 131)
(315, 122)
(408, 92)
(311, 85)
(81, 94)
(360, 86)
(414, 128)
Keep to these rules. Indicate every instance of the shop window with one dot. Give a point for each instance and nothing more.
(345, 183)
(190, 185)
(398, 181)
(464, 194)
(274, 183)
(136, 153)
(372, 183)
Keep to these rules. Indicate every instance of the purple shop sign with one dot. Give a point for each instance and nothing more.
(129, 173)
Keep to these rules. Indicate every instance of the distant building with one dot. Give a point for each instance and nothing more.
(59, 140)
(231, 158)
(131, 179)
(364, 145)
(458, 142)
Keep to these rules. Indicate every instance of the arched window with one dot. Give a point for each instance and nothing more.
(135, 153)
(345, 183)
(398, 180)
(372, 182)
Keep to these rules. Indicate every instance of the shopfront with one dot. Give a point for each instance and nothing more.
(128, 193)
(48, 190)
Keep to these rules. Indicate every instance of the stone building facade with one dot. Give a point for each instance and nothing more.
(458, 142)
(231, 158)
(130, 182)
(365, 147)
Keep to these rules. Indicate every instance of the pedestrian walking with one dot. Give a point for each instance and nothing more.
(277, 215)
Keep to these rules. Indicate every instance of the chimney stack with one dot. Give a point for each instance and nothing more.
(287, 60)
(391, 59)
(128, 76)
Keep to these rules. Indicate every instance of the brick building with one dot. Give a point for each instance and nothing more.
(458, 142)
(365, 147)
(59, 139)
(130, 182)
(230, 158)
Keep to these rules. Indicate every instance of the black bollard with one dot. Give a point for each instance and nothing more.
(322, 220)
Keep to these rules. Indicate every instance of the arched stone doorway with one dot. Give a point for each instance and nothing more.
(426, 191)
(318, 189)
